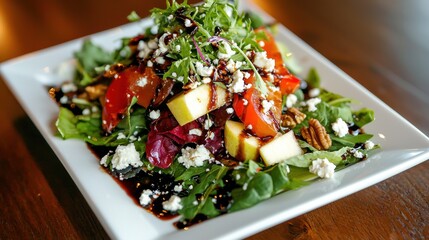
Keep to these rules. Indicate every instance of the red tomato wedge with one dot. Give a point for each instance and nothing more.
(130, 83)
(248, 107)
(286, 81)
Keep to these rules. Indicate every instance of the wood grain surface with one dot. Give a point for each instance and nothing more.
(382, 44)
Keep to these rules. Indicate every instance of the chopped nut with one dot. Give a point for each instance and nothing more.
(316, 135)
(292, 117)
(96, 91)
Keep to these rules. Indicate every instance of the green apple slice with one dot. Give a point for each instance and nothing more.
(240, 144)
(190, 105)
(280, 148)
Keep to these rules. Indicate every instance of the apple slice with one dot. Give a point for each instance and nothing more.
(280, 148)
(190, 105)
(240, 144)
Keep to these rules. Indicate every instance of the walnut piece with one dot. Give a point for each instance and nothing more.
(292, 117)
(316, 135)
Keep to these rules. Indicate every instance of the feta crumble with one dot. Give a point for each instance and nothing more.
(266, 105)
(154, 114)
(188, 23)
(68, 87)
(311, 104)
(228, 51)
(178, 188)
(203, 71)
(196, 132)
(340, 127)
(193, 157)
(369, 145)
(237, 85)
(126, 156)
(121, 136)
(86, 112)
(142, 82)
(145, 198)
(358, 154)
(291, 99)
(208, 123)
(64, 99)
(314, 92)
(323, 168)
(230, 110)
(173, 204)
(263, 62)
(160, 60)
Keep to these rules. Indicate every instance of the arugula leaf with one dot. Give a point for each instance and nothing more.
(363, 117)
(351, 140)
(313, 78)
(208, 183)
(89, 58)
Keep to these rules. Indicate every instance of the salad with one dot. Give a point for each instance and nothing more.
(204, 114)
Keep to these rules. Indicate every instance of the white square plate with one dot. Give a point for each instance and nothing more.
(403, 146)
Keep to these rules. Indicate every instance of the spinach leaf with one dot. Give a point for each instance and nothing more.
(363, 117)
(258, 189)
(305, 160)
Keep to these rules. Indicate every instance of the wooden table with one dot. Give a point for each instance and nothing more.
(382, 44)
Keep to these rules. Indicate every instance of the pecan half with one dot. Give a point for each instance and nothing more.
(316, 135)
(292, 117)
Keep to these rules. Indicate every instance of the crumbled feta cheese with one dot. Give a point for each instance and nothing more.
(174, 74)
(230, 110)
(188, 23)
(263, 62)
(211, 135)
(323, 168)
(228, 51)
(173, 204)
(231, 66)
(145, 198)
(152, 44)
(203, 71)
(121, 135)
(311, 104)
(208, 123)
(246, 75)
(237, 177)
(216, 61)
(266, 105)
(261, 43)
(177, 48)
(358, 154)
(68, 87)
(369, 145)
(142, 82)
(250, 127)
(154, 114)
(206, 80)
(191, 187)
(64, 99)
(94, 109)
(178, 188)
(245, 102)
(196, 132)
(340, 127)
(86, 111)
(291, 99)
(195, 203)
(163, 48)
(103, 160)
(180, 79)
(237, 85)
(245, 186)
(126, 156)
(314, 92)
(170, 17)
(193, 157)
(160, 60)
(149, 63)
